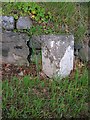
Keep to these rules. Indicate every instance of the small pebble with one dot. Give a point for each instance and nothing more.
(20, 74)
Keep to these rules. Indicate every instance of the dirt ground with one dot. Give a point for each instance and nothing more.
(10, 70)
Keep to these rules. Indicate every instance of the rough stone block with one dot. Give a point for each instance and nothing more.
(57, 55)
(14, 48)
(82, 50)
(24, 23)
(7, 22)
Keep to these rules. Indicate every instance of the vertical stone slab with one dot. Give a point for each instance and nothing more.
(57, 55)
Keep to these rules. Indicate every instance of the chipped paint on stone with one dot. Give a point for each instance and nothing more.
(52, 43)
(47, 66)
(65, 67)
(58, 43)
(63, 42)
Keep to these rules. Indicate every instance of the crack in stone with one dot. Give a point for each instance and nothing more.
(30, 51)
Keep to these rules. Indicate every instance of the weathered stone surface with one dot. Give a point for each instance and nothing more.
(24, 23)
(14, 48)
(7, 22)
(57, 55)
(82, 50)
(84, 53)
(35, 42)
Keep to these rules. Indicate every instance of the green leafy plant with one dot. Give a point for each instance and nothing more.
(31, 9)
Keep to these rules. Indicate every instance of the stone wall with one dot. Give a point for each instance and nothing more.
(81, 50)
(17, 47)
(14, 45)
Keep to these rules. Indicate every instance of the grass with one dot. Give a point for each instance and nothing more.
(34, 98)
(69, 18)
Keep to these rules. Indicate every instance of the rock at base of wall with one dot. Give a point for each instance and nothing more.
(24, 23)
(84, 54)
(57, 55)
(14, 48)
(82, 50)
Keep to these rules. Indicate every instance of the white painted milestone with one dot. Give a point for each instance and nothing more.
(57, 55)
